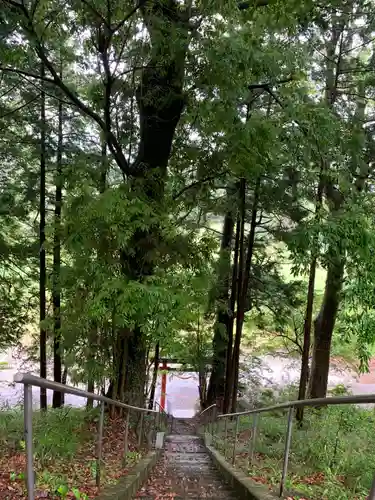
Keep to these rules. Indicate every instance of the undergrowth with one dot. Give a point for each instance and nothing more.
(331, 456)
(64, 443)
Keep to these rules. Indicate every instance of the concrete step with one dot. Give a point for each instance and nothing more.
(182, 437)
(201, 458)
(187, 468)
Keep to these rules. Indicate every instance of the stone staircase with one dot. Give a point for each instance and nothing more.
(185, 470)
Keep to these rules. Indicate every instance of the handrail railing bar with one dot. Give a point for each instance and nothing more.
(161, 409)
(337, 400)
(28, 379)
(206, 409)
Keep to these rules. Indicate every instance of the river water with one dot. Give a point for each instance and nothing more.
(182, 397)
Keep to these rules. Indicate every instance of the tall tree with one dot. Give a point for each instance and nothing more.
(307, 324)
(56, 284)
(231, 308)
(215, 392)
(242, 293)
(42, 241)
(340, 187)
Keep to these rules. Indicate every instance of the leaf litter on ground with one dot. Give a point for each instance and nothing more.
(77, 472)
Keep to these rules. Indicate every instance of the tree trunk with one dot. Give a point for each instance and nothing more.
(90, 388)
(42, 239)
(231, 306)
(238, 284)
(242, 295)
(136, 368)
(160, 102)
(325, 321)
(122, 378)
(118, 382)
(154, 376)
(304, 376)
(103, 169)
(323, 329)
(63, 381)
(92, 348)
(216, 386)
(56, 292)
(93, 342)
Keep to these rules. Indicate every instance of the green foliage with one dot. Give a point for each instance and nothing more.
(330, 456)
(276, 96)
(99, 294)
(57, 434)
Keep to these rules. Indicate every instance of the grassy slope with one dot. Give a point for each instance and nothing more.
(331, 457)
(64, 453)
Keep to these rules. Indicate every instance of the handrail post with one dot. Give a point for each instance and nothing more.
(235, 440)
(100, 445)
(28, 423)
(157, 422)
(253, 438)
(140, 430)
(213, 426)
(165, 421)
(286, 452)
(155, 430)
(225, 436)
(126, 437)
(216, 426)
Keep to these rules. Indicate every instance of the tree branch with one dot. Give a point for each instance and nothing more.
(254, 3)
(272, 94)
(190, 12)
(21, 106)
(139, 5)
(27, 79)
(107, 84)
(27, 73)
(286, 337)
(95, 12)
(266, 86)
(112, 142)
(197, 183)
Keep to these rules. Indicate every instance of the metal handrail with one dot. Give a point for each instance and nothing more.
(334, 400)
(206, 421)
(206, 409)
(29, 381)
(290, 405)
(161, 410)
(165, 415)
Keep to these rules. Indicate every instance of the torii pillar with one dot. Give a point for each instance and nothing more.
(163, 385)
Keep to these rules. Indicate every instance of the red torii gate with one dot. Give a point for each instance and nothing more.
(165, 368)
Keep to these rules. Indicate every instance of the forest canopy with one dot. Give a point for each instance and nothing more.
(161, 161)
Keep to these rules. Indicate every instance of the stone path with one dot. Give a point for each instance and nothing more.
(185, 470)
